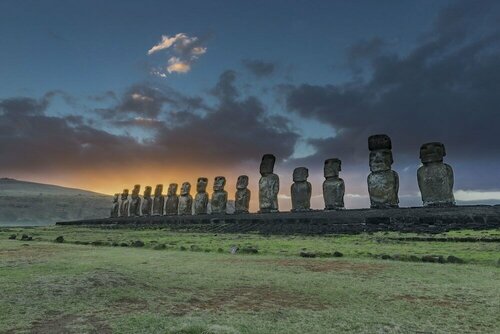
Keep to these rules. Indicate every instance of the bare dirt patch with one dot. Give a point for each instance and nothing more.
(249, 299)
(26, 255)
(68, 323)
(128, 305)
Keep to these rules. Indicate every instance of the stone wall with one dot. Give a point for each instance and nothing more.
(418, 220)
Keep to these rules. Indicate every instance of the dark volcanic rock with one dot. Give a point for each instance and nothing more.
(12, 237)
(138, 243)
(454, 259)
(26, 237)
(307, 254)
(59, 239)
(337, 254)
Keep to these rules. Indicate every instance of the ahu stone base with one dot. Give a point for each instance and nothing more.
(417, 220)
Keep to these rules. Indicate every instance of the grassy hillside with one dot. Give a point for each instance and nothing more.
(29, 203)
(193, 284)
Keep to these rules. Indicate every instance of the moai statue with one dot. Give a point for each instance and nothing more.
(242, 197)
(201, 198)
(269, 185)
(219, 196)
(115, 209)
(172, 206)
(435, 178)
(135, 201)
(383, 182)
(333, 186)
(185, 200)
(124, 204)
(147, 202)
(301, 190)
(158, 201)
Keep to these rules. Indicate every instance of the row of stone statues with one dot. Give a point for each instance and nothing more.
(435, 181)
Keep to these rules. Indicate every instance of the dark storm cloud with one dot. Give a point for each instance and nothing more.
(446, 89)
(259, 68)
(231, 131)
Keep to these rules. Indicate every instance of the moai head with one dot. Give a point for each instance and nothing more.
(115, 198)
(332, 167)
(185, 188)
(267, 164)
(125, 194)
(242, 182)
(432, 152)
(136, 190)
(201, 184)
(147, 192)
(172, 189)
(380, 153)
(158, 190)
(300, 174)
(219, 183)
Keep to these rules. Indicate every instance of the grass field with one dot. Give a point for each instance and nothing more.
(191, 283)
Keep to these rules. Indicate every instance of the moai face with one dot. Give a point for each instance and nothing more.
(158, 190)
(172, 189)
(115, 198)
(267, 164)
(300, 174)
(185, 188)
(136, 190)
(432, 152)
(147, 192)
(380, 160)
(201, 185)
(242, 182)
(125, 194)
(219, 183)
(332, 167)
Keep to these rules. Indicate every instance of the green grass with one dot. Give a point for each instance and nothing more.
(48, 287)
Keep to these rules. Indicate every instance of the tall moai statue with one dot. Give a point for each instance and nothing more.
(218, 203)
(383, 182)
(435, 178)
(147, 202)
(301, 190)
(124, 204)
(135, 201)
(269, 185)
(333, 186)
(172, 206)
(242, 197)
(115, 209)
(201, 198)
(185, 200)
(158, 201)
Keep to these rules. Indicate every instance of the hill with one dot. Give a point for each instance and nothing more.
(30, 203)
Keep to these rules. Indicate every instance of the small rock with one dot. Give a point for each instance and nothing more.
(234, 249)
(115, 244)
(337, 254)
(59, 239)
(26, 237)
(454, 259)
(124, 244)
(138, 243)
(13, 237)
(307, 254)
(386, 257)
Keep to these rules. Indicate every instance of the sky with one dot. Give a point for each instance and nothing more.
(102, 95)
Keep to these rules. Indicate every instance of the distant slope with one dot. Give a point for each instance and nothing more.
(30, 203)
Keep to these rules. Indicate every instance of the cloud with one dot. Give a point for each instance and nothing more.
(445, 89)
(259, 68)
(184, 51)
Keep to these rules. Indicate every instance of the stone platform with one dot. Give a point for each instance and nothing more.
(418, 220)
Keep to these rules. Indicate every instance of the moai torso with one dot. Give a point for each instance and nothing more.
(115, 209)
(172, 202)
(301, 190)
(218, 203)
(185, 200)
(242, 196)
(269, 185)
(147, 202)
(124, 204)
(158, 201)
(333, 186)
(435, 178)
(201, 198)
(135, 201)
(383, 183)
